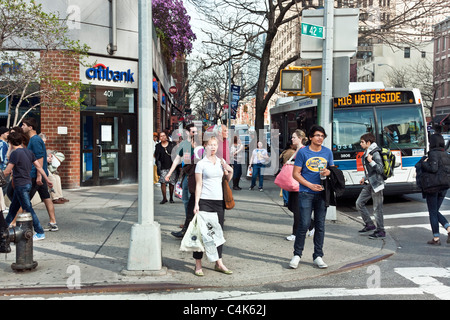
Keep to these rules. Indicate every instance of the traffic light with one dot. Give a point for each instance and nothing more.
(301, 81)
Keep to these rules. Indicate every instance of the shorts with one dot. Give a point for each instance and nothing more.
(42, 190)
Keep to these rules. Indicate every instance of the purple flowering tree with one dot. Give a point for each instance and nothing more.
(172, 27)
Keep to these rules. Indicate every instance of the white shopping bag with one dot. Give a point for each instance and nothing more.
(192, 240)
(212, 234)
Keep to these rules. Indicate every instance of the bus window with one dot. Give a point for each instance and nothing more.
(401, 128)
(349, 126)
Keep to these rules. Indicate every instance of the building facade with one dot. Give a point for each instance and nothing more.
(100, 142)
(441, 60)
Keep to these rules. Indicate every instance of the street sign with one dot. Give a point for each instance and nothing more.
(313, 30)
(345, 33)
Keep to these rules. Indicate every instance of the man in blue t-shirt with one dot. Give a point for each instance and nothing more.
(37, 146)
(311, 163)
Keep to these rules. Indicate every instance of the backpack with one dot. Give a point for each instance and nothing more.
(388, 162)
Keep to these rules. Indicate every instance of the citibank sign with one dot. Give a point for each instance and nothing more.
(110, 72)
(102, 72)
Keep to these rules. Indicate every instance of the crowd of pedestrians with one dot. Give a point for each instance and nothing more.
(201, 173)
(33, 169)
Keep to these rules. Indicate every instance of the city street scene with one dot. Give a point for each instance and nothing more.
(225, 158)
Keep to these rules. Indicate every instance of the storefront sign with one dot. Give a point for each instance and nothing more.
(102, 72)
(110, 72)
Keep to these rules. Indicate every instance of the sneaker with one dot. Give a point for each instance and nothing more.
(367, 228)
(251, 188)
(311, 232)
(378, 235)
(319, 263)
(294, 262)
(291, 237)
(260, 189)
(51, 227)
(39, 236)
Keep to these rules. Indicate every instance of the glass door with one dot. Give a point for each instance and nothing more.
(100, 149)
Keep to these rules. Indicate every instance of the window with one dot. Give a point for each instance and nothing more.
(401, 128)
(407, 53)
(424, 54)
(349, 126)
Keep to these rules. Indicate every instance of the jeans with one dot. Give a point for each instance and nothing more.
(307, 203)
(21, 198)
(185, 194)
(257, 170)
(434, 201)
(377, 197)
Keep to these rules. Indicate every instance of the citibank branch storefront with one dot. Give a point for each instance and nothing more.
(109, 123)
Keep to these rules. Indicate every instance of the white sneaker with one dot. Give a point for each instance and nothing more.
(294, 262)
(291, 237)
(319, 263)
(311, 233)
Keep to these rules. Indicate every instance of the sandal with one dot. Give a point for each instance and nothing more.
(228, 272)
(199, 273)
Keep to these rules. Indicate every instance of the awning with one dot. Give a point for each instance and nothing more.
(441, 118)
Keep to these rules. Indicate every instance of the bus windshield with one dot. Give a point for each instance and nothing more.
(401, 128)
(395, 128)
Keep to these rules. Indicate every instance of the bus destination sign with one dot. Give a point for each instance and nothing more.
(375, 98)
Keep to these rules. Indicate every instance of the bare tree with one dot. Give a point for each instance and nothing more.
(248, 27)
(28, 37)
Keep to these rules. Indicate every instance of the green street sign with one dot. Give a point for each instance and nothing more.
(313, 30)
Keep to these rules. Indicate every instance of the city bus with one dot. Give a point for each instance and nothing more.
(394, 115)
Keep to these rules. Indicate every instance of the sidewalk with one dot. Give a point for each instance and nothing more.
(91, 246)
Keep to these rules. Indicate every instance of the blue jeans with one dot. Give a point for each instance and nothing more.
(22, 199)
(257, 170)
(185, 195)
(434, 201)
(307, 203)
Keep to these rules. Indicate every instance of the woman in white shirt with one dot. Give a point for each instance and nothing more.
(209, 195)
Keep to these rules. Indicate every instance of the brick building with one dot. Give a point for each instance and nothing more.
(100, 141)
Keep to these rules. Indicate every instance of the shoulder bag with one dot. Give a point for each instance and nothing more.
(3, 181)
(227, 194)
(285, 180)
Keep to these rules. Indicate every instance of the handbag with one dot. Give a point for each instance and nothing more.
(249, 171)
(212, 234)
(192, 240)
(3, 181)
(285, 180)
(178, 190)
(227, 194)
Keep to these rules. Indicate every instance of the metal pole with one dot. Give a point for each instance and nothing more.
(327, 72)
(326, 111)
(229, 88)
(145, 241)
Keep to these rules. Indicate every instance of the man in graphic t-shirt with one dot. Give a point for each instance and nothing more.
(310, 164)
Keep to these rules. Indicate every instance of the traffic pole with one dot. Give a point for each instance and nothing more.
(327, 84)
(145, 239)
(327, 72)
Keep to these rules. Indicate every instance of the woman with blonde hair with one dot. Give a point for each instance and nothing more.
(209, 173)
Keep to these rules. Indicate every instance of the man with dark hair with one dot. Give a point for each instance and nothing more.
(20, 162)
(373, 187)
(37, 146)
(186, 157)
(310, 168)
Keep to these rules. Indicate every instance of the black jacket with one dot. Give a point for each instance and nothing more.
(438, 163)
(334, 186)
